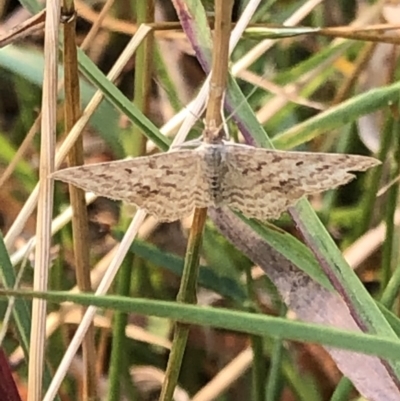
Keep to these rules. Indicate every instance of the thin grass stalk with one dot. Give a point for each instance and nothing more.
(392, 198)
(135, 142)
(45, 202)
(166, 81)
(391, 291)
(275, 371)
(259, 374)
(365, 37)
(343, 390)
(387, 246)
(28, 27)
(79, 219)
(97, 24)
(186, 294)
(21, 313)
(21, 151)
(258, 369)
(375, 176)
(118, 346)
(102, 343)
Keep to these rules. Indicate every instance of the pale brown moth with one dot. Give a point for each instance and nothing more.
(260, 183)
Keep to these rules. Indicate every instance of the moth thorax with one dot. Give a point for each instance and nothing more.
(216, 169)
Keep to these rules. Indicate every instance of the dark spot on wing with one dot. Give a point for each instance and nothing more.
(290, 182)
(169, 185)
(323, 167)
(261, 165)
(128, 170)
(145, 190)
(299, 163)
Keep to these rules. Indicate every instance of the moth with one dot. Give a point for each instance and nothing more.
(260, 183)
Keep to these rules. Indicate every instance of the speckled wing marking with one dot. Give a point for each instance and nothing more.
(167, 185)
(263, 183)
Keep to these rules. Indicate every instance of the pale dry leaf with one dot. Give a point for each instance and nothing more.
(260, 183)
